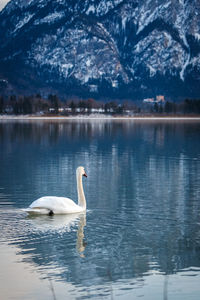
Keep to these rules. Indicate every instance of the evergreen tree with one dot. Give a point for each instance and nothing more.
(26, 106)
(155, 107)
(72, 105)
(160, 109)
(54, 102)
(1, 104)
(168, 107)
(82, 105)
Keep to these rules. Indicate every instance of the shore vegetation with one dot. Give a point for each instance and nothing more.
(53, 106)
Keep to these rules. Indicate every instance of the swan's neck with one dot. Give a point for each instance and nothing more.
(81, 195)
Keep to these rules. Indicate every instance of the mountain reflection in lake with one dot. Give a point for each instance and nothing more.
(141, 234)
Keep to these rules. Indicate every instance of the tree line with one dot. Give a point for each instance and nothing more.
(23, 105)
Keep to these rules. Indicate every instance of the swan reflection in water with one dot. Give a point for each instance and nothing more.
(80, 242)
(61, 224)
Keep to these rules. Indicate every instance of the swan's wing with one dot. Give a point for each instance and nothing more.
(37, 211)
(51, 201)
(58, 205)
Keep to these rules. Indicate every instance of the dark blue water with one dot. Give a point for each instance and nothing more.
(140, 236)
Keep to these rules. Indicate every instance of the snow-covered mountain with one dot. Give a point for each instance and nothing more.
(118, 48)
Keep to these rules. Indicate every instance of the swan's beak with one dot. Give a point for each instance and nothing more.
(85, 174)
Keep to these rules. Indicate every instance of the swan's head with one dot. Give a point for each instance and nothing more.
(81, 171)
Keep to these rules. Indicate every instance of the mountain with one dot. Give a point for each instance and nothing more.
(118, 48)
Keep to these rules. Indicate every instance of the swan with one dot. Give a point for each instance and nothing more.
(51, 205)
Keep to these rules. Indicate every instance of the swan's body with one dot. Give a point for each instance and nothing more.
(61, 205)
(56, 205)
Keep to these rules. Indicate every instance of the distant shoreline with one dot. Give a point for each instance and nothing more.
(95, 117)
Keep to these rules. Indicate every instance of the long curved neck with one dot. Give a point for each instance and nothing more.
(81, 195)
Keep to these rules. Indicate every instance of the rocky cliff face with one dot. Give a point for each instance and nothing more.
(118, 48)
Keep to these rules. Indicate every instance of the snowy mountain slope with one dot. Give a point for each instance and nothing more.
(119, 48)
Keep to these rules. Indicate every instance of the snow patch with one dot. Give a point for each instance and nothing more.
(182, 2)
(137, 48)
(161, 54)
(124, 20)
(152, 70)
(88, 62)
(50, 18)
(91, 9)
(24, 21)
(184, 39)
(67, 66)
(184, 68)
(168, 39)
(195, 62)
(197, 36)
(104, 6)
(148, 16)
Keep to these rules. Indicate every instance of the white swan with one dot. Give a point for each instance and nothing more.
(60, 205)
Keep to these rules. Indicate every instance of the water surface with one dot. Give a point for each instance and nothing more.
(140, 236)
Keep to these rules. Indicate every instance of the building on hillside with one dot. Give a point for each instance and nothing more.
(148, 100)
(160, 98)
(93, 88)
(115, 83)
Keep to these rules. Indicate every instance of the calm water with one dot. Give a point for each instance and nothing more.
(140, 237)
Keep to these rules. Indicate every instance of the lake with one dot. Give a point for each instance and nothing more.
(140, 236)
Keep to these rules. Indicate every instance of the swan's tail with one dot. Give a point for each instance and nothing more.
(38, 211)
